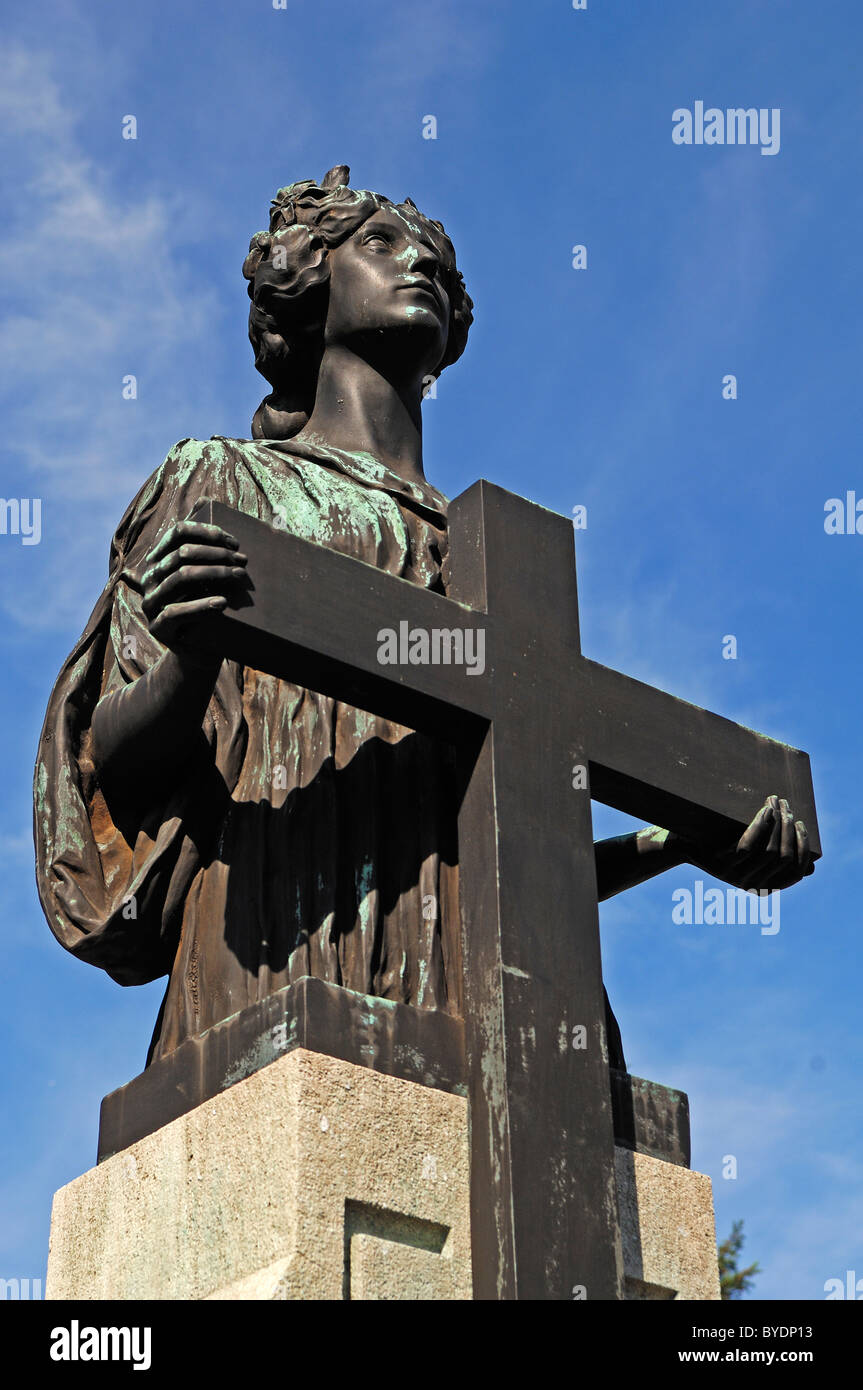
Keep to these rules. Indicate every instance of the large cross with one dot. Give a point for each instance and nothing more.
(544, 1220)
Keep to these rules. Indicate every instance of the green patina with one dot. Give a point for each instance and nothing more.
(186, 456)
(40, 787)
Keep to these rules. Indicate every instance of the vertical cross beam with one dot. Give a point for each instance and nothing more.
(544, 1220)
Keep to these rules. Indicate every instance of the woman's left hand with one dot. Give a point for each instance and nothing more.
(773, 851)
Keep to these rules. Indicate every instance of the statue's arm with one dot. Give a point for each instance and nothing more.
(773, 852)
(150, 727)
(627, 860)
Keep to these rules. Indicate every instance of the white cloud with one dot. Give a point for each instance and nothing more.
(98, 291)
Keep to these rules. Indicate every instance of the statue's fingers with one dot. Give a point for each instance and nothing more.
(779, 869)
(804, 852)
(201, 532)
(189, 553)
(757, 833)
(163, 543)
(750, 866)
(177, 616)
(774, 866)
(195, 581)
(792, 863)
(775, 838)
(788, 836)
(754, 867)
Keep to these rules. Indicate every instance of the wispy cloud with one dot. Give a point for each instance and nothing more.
(99, 293)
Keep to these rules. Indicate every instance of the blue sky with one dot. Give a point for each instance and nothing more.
(601, 387)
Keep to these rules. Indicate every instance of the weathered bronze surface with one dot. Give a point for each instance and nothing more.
(425, 1046)
(234, 792)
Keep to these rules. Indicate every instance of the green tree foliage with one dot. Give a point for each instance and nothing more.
(734, 1282)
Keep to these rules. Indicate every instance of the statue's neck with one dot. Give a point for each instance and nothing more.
(360, 409)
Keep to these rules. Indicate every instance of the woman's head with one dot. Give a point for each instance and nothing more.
(383, 280)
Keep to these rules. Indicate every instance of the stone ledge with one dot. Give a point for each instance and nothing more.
(419, 1045)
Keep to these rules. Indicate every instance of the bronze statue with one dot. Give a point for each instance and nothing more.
(209, 822)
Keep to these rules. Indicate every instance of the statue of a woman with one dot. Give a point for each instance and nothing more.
(233, 831)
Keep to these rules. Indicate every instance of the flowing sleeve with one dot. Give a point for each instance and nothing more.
(113, 878)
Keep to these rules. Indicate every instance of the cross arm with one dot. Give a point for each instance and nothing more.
(681, 767)
(314, 618)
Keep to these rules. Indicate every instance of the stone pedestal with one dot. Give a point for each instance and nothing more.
(667, 1229)
(317, 1178)
(313, 1178)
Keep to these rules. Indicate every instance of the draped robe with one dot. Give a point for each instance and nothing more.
(299, 836)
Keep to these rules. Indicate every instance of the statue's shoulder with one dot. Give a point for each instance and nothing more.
(196, 468)
(192, 469)
(194, 459)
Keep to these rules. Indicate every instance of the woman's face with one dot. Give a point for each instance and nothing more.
(387, 279)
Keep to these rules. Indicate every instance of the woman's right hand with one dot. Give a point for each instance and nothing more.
(193, 569)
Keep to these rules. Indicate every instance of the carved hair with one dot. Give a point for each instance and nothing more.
(288, 273)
